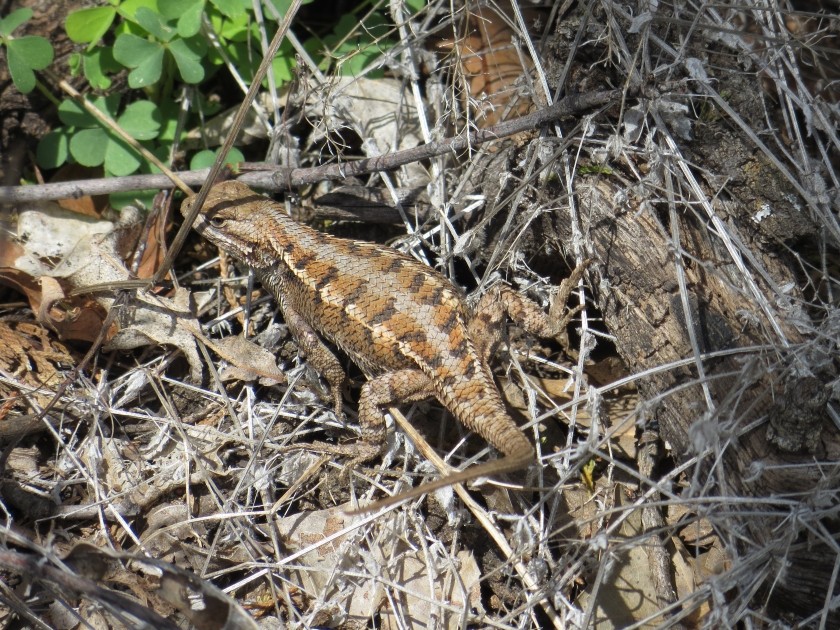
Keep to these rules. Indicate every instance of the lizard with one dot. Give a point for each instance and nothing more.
(403, 323)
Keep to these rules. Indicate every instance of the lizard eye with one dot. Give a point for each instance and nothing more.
(217, 222)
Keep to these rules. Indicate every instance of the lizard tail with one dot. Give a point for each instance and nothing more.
(510, 463)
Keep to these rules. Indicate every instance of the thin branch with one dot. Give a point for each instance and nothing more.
(269, 177)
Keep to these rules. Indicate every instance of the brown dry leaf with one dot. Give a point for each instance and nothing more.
(150, 319)
(204, 605)
(686, 583)
(628, 592)
(28, 354)
(79, 319)
(171, 321)
(419, 601)
(96, 257)
(619, 410)
(698, 533)
(606, 370)
(92, 253)
(153, 250)
(85, 205)
(89, 253)
(248, 361)
(492, 64)
(52, 236)
(11, 277)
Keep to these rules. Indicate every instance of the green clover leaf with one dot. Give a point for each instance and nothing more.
(154, 25)
(96, 63)
(9, 23)
(206, 158)
(236, 8)
(120, 158)
(88, 26)
(87, 146)
(188, 14)
(73, 115)
(91, 145)
(188, 54)
(141, 120)
(53, 149)
(24, 54)
(145, 57)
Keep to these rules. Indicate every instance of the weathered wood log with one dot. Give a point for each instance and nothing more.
(750, 409)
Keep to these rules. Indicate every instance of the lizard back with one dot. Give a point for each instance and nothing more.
(385, 310)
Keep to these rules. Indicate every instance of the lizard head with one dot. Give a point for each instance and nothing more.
(234, 218)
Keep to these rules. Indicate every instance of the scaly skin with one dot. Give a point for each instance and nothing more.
(403, 323)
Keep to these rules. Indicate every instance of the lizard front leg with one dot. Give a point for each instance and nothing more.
(485, 327)
(317, 354)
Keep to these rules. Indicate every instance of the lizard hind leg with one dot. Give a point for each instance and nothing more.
(392, 388)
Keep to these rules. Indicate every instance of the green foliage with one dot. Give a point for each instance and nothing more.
(595, 169)
(16, 18)
(92, 145)
(88, 26)
(206, 158)
(145, 54)
(162, 44)
(24, 54)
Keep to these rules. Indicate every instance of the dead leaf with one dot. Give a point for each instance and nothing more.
(492, 64)
(248, 361)
(205, 606)
(91, 253)
(153, 248)
(355, 600)
(28, 352)
(87, 205)
(618, 410)
(54, 240)
(381, 111)
(149, 319)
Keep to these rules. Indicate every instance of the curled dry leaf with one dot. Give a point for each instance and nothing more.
(28, 354)
(247, 361)
(380, 110)
(495, 67)
(55, 251)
